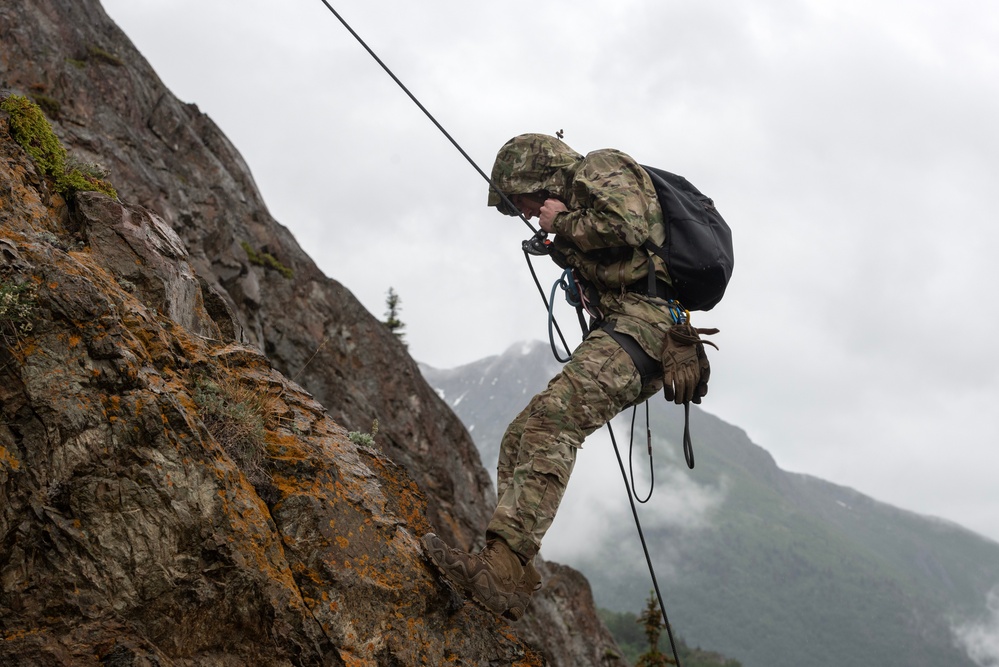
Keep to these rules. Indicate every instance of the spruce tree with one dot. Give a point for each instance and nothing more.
(652, 620)
(392, 321)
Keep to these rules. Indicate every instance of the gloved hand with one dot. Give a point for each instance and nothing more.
(685, 365)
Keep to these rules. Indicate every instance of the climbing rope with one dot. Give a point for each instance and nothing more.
(645, 548)
(417, 102)
(574, 298)
(506, 200)
(568, 284)
(549, 306)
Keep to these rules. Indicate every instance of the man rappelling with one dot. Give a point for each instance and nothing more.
(605, 215)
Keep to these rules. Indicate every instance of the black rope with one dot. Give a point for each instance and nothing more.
(645, 548)
(629, 487)
(548, 309)
(428, 114)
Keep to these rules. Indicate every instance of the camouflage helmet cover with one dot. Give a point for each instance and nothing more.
(529, 163)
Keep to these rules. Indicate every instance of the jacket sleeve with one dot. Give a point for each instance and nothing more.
(610, 203)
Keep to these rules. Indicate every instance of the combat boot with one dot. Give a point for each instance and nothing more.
(489, 577)
(528, 586)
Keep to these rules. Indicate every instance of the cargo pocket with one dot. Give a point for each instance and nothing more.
(544, 493)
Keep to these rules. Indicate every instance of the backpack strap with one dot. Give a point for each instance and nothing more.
(653, 286)
(658, 250)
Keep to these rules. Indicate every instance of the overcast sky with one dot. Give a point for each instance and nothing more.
(851, 144)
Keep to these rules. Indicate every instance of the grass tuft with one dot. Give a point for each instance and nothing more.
(236, 415)
(17, 307)
(366, 439)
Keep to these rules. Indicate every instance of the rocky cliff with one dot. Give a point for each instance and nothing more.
(167, 494)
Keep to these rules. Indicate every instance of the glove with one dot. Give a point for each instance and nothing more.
(685, 365)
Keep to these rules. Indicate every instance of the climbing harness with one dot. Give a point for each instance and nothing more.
(537, 245)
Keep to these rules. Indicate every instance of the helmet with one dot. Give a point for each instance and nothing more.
(530, 163)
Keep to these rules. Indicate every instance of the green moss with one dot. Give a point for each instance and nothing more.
(32, 131)
(359, 438)
(75, 180)
(50, 105)
(78, 64)
(266, 260)
(100, 55)
(30, 128)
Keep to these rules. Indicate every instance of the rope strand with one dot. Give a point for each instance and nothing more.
(645, 548)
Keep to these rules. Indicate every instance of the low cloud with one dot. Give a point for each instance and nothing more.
(980, 637)
(595, 509)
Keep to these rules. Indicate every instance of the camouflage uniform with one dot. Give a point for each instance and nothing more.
(612, 210)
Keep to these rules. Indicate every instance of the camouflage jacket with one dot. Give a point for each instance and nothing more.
(612, 210)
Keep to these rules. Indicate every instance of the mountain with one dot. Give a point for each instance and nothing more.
(774, 568)
(210, 452)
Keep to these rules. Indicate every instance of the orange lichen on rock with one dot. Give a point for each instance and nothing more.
(302, 550)
(8, 460)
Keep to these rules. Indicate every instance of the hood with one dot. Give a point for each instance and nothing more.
(531, 162)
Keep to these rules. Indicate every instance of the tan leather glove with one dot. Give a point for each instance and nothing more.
(685, 365)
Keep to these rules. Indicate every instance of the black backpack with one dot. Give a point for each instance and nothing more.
(698, 245)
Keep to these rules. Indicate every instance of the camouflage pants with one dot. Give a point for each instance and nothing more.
(538, 450)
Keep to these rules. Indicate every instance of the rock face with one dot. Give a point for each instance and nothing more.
(134, 528)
